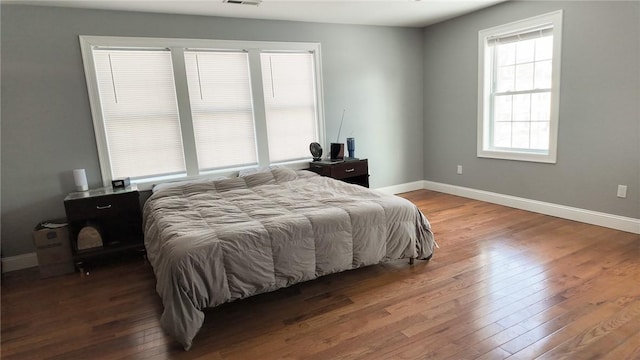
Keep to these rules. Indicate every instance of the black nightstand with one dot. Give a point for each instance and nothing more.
(351, 171)
(116, 214)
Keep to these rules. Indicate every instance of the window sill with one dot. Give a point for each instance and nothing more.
(518, 156)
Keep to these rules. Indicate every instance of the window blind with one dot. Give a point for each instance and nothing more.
(290, 104)
(139, 111)
(221, 107)
(520, 36)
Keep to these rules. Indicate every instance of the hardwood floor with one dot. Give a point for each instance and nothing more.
(505, 283)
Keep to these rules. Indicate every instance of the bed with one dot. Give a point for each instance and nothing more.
(215, 241)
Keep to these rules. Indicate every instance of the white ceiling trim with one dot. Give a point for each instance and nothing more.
(408, 13)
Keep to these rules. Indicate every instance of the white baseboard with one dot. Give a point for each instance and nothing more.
(19, 262)
(617, 222)
(397, 189)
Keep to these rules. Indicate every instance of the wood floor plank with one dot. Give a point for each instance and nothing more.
(627, 348)
(505, 283)
(589, 336)
(578, 312)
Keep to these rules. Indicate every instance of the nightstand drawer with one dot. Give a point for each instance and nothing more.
(353, 171)
(102, 206)
(349, 169)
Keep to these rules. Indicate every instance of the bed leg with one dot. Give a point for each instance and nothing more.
(411, 260)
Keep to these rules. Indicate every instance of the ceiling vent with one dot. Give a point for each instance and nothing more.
(243, 2)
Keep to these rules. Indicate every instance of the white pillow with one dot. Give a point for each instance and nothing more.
(256, 170)
(168, 185)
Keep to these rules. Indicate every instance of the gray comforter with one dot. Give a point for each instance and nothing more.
(212, 242)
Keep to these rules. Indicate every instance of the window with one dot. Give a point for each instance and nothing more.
(221, 108)
(289, 96)
(519, 80)
(138, 97)
(176, 108)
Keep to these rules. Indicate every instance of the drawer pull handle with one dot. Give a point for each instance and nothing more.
(350, 170)
(103, 207)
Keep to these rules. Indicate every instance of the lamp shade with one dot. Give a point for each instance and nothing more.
(80, 179)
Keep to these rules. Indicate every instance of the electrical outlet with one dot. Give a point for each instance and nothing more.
(459, 169)
(622, 191)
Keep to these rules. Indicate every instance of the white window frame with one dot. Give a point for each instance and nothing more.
(177, 47)
(485, 65)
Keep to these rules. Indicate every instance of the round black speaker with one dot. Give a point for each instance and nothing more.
(316, 151)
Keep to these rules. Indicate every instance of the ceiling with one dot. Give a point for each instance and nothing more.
(410, 13)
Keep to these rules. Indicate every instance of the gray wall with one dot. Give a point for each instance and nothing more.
(373, 72)
(397, 84)
(599, 126)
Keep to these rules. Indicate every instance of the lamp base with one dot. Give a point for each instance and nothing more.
(337, 151)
